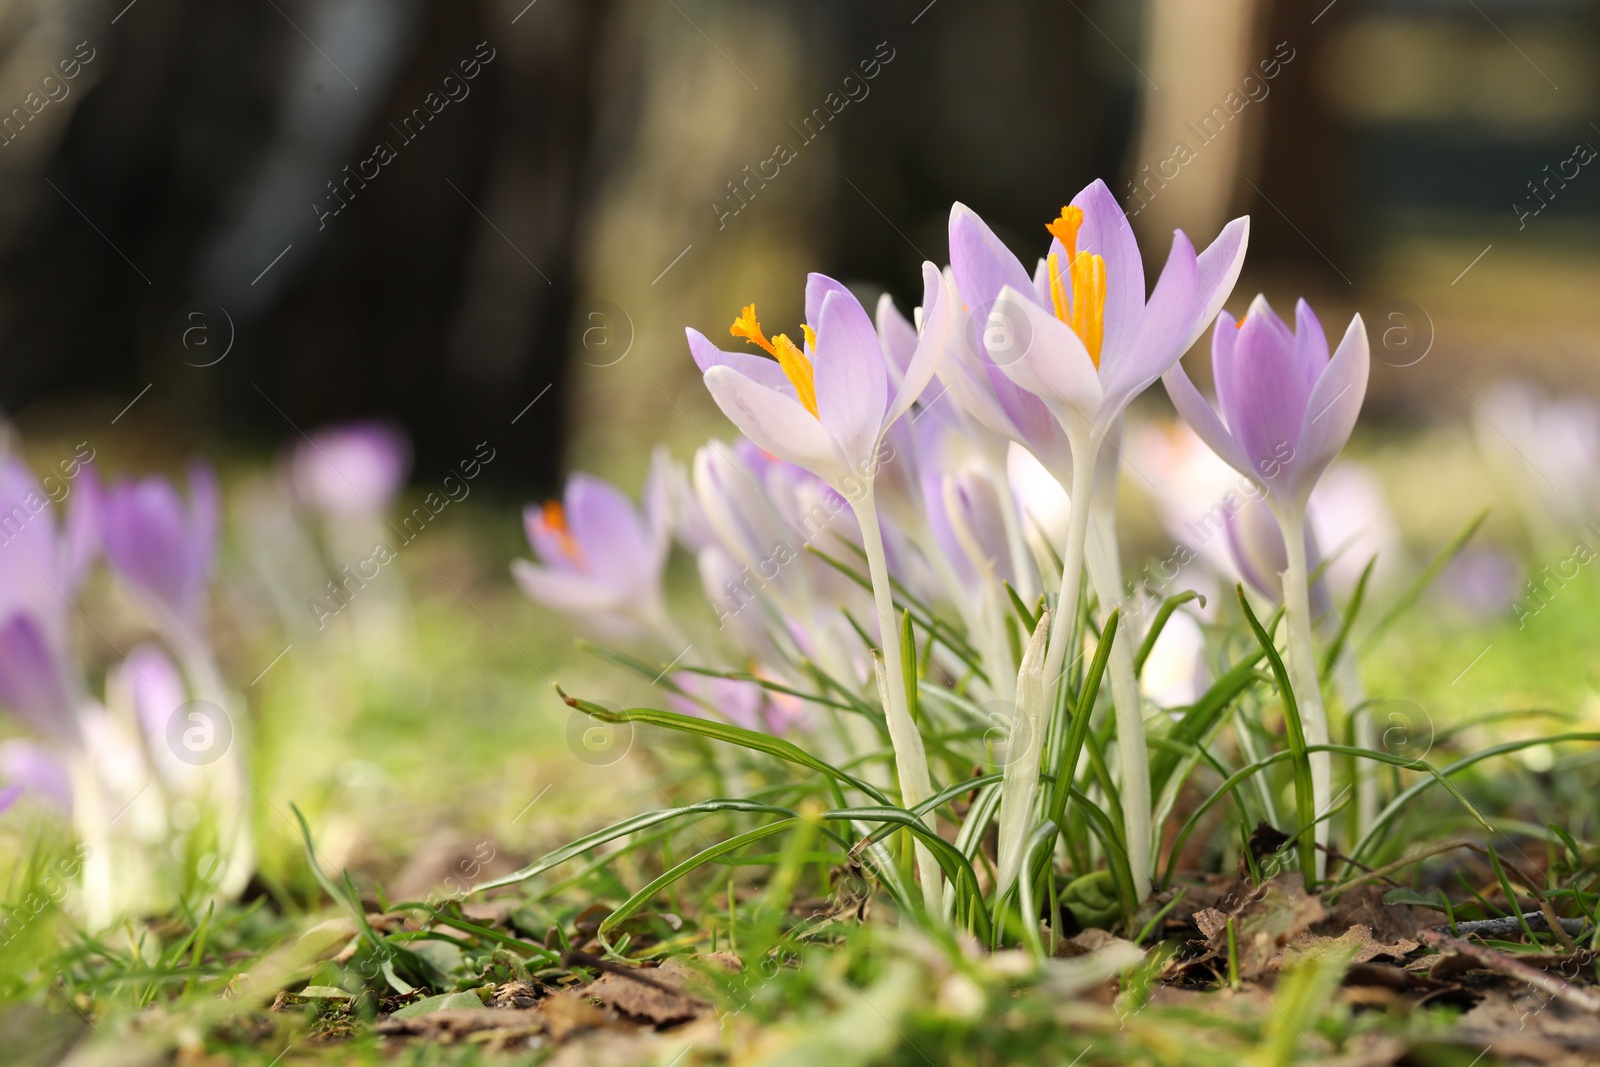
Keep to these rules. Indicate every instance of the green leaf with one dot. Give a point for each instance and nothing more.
(442, 1002)
(1336, 647)
(1163, 613)
(1414, 591)
(1305, 805)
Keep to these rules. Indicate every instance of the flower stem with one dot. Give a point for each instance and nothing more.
(1066, 616)
(1303, 671)
(911, 760)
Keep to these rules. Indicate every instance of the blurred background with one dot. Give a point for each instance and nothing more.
(487, 223)
(492, 219)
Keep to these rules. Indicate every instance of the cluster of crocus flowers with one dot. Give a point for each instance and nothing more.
(111, 764)
(968, 455)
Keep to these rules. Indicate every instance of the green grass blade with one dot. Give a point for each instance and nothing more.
(1159, 623)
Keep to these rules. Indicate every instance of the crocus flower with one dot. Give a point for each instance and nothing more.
(599, 556)
(1080, 333)
(163, 548)
(1286, 409)
(356, 468)
(37, 770)
(40, 569)
(827, 404)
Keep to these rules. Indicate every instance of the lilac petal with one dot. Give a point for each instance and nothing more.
(37, 770)
(610, 538)
(1051, 361)
(1041, 279)
(981, 262)
(84, 522)
(1269, 394)
(776, 423)
(930, 346)
(1217, 270)
(1154, 344)
(34, 684)
(818, 288)
(354, 469)
(1224, 337)
(852, 384)
(156, 687)
(1310, 343)
(1257, 546)
(1333, 406)
(566, 591)
(1202, 420)
(1106, 233)
(757, 368)
(898, 337)
(8, 796)
(205, 523)
(548, 543)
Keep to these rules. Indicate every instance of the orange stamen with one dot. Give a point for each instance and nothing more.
(796, 367)
(1079, 297)
(555, 517)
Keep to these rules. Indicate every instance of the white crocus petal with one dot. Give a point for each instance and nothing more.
(1042, 355)
(776, 423)
(930, 350)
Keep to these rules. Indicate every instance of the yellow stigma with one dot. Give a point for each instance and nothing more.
(796, 367)
(1078, 295)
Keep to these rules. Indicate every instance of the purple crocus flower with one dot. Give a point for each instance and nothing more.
(163, 549)
(598, 555)
(9, 795)
(356, 468)
(40, 570)
(824, 405)
(1080, 334)
(36, 770)
(1284, 407)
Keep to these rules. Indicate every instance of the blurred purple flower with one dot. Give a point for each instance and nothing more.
(9, 795)
(598, 555)
(34, 769)
(161, 548)
(40, 571)
(355, 468)
(741, 702)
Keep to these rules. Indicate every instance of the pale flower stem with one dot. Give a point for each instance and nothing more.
(911, 760)
(227, 777)
(1303, 673)
(1016, 545)
(1133, 754)
(1066, 615)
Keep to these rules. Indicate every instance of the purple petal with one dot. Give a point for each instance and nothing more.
(569, 591)
(8, 796)
(1217, 270)
(156, 688)
(981, 262)
(1333, 406)
(761, 369)
(1269, 394)
(37, 770)
(852, 384)
(1194, 410)
(818, 288)
(34, 683)
(775, 423)
(611, 541)
(898, 337)
(353, 469)
(1310, 343)
(84, 522)
(1224, 337)
(1153, 346)
(930, 347)
(1049, 360)
(1106, 233)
